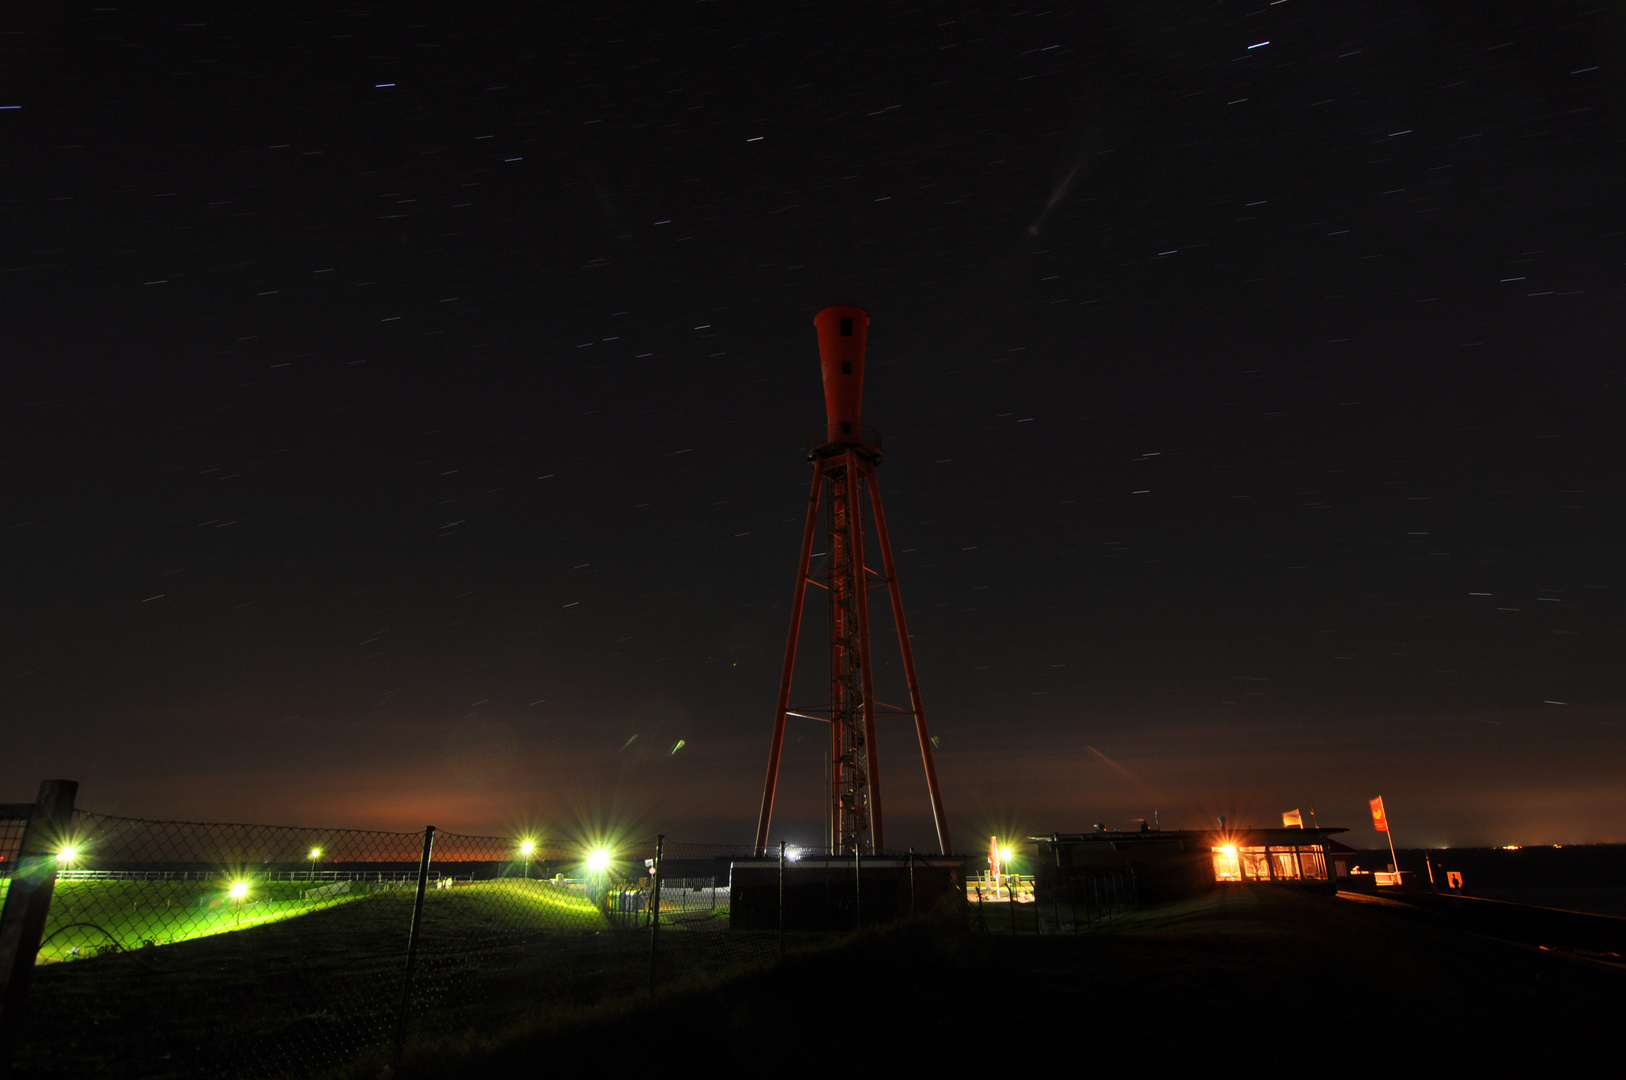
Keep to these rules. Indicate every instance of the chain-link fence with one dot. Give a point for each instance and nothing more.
(177, 948)
(11, 839)
(514, 930)
(186, 949)
(1051, 904)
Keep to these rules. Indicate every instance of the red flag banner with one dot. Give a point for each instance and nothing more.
(1379, 822)
(1292, 819)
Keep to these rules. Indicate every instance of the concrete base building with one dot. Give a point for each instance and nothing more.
(825, 892)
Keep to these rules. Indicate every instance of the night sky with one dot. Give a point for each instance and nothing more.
(405, 411)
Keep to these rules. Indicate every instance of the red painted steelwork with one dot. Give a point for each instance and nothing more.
(800, 595)
(843, 467)
(843, 330)
(939, 818)
(866, 478)
(851, 710)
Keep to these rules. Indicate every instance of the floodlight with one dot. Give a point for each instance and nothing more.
(316, 853)
(528, 848)
(598, 860)
(67, 853)
(1005, 854)
(792, 854)
(239, 889)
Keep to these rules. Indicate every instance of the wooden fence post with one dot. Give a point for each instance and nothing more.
(412, 943)
(28, 901)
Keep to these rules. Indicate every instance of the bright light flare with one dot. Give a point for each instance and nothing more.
(1005, 854)
(598, 860)
(239, 890)
(67, 853)
(316, 853)
(1229, 851)
(527, 848)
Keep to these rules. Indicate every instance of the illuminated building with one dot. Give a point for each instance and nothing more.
(1168, 864)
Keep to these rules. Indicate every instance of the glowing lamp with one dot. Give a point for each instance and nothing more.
(1005, 854)
(67, 853)
(1229, 851)
(528, 848)
(316, 853)
(239, 890)
(598, 860)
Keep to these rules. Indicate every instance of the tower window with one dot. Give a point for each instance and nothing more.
(846, 326)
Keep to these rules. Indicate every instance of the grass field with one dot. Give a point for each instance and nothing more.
(1240, 980)
(277, 994)
(1598, 899)
(90, 917)
(95, 917)
(300, 986)
(514, 972)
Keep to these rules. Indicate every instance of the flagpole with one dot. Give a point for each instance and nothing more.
(1380, 821)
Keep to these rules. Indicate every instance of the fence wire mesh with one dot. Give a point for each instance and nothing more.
(187, 949)
(507, 934)
(11, 842)
(1077, 903)
(179, 948)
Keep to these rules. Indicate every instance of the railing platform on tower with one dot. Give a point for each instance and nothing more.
(822, 442)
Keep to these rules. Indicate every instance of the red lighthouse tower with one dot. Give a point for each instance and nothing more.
(844, 464)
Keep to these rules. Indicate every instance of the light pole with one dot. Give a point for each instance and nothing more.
(315, 853)
(527, 849)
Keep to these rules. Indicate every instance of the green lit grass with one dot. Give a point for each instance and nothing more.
(96, 917)
(543, 899)
(297, 986)
(282, 996)
(281, 984)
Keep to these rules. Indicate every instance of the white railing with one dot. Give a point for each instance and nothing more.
(1006, 887)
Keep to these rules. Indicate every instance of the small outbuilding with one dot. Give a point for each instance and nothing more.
(1168, 865)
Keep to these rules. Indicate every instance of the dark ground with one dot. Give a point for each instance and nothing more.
(1238, 980)
(1599, 900)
